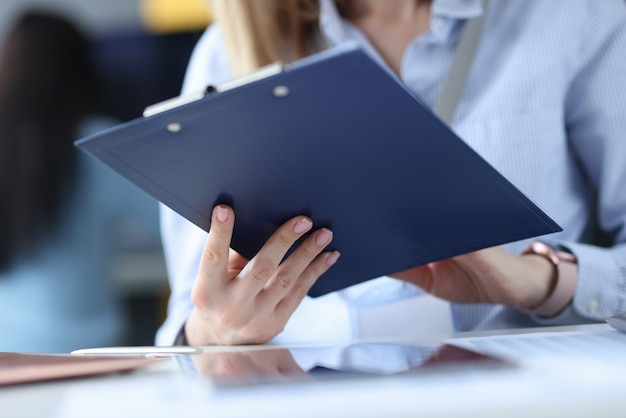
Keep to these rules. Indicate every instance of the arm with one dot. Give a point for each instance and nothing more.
(595, 115)
(217, 295)
(596, 123)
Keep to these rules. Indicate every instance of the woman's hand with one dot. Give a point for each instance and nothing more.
(492, 275)
(237, 301)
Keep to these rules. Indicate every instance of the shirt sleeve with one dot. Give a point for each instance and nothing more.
(596, 126)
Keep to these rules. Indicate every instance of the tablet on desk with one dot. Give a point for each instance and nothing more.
(277, 365)
(333, 136)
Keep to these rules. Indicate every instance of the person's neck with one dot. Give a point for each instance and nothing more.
(384, 10)
(390, 25)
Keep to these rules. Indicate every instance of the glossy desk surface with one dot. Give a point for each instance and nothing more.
(559, 371)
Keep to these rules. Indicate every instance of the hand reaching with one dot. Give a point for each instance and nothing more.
(492, 275)
(237, 301)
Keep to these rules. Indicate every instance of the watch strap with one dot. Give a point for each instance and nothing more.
(566, 279)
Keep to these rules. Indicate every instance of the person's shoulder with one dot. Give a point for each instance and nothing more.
(603, 14)
(589, 23)
(616, 8)
(589, 10)
(211, 38)
(209, 61)
(605, 24)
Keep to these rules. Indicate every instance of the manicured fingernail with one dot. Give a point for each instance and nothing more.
(302, 225)
(222, 214)
(332, 258)
(323, 237)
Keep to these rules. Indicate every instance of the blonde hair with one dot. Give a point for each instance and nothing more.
(261, 32)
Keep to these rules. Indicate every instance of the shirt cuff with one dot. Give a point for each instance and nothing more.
(181, 337)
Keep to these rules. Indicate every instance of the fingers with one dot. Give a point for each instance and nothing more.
(267, 272)
(265, 264)
(215, 254)
(298, 272)
(240, 301)
(313, 271)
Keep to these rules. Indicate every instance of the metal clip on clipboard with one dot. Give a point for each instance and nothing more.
(267, 71)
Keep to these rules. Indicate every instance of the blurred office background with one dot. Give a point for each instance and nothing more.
(140, 49)
(140, 46)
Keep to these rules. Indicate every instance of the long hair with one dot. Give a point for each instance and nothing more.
(261, 32)
(46, 87)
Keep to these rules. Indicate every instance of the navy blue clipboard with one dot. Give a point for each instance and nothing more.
(336, 137)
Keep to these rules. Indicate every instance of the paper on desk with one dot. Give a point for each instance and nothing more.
(602, 344)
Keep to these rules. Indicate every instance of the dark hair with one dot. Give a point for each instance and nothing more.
(46, 87)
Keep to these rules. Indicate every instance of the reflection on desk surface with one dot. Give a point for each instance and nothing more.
(280, 365)
(574, 372)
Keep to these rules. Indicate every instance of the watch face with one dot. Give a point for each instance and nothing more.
(540, 248)
(553, 254)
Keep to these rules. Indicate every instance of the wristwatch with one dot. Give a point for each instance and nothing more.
(566, 271)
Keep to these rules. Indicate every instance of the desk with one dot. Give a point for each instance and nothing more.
(584, 379)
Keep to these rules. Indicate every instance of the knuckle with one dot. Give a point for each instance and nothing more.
(309, 250)
(211, 255)
(260, 272)
(285, 240)
(317, 267)
(200, 296)
(284, 280)
(300, 293)
(251, 334)
(227, 320)
(277, 330)
(271, 331)
(264, 335)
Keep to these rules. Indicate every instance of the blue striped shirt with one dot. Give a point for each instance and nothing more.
(544, 103)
